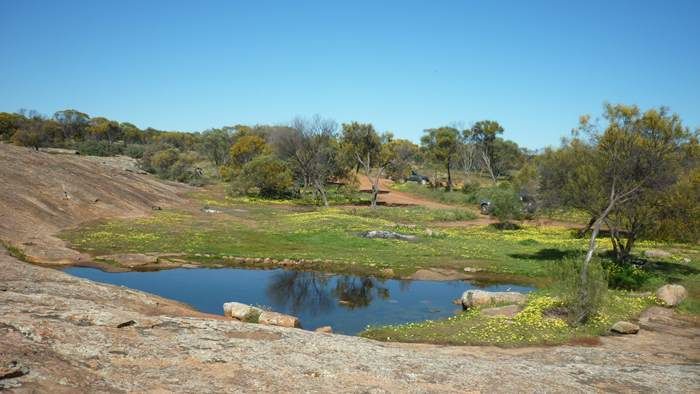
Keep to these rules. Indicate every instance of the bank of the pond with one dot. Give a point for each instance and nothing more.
(348, 303)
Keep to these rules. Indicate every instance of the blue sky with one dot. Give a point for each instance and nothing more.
(534, 66)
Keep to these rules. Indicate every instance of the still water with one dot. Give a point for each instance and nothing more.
(345, 302)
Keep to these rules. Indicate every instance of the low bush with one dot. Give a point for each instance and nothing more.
(99, 148)
(569, 286)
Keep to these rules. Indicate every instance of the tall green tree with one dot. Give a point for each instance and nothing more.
(616, 173)
(442, 146)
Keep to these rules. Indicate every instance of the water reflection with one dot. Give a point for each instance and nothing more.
(315, 293)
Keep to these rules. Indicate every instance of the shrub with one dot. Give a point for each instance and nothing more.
(470, 187)
(568, 286)
(98, 148)
(505, 204)
(626, 276)
(266, 175)
(169, 162)
(134, 150)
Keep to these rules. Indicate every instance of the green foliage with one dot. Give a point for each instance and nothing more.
(169, 162)
(403, 156)
(568, 286)
(246, 149)
(215, 144)
(505, 204)
(134, 150)
(99, 148)
(442, 146)
(264, 175)
(626, 276)
(470, 187)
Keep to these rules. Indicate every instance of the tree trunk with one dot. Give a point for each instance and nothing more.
(583, 231)
(375, 193)
(322, 191)
(449, 178)
(584, 296)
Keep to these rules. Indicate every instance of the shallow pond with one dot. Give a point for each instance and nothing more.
(345, 302)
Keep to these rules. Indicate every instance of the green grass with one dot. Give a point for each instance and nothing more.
(415, 215)
(531, 326)
(329, 240)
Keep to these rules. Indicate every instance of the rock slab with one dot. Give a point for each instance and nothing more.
(472, 298)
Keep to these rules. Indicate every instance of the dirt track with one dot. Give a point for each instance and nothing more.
(387, 196)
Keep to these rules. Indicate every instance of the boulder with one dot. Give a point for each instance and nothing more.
(278, 319)
(240, 311)
(656, 254)
(388, 235)
(325, 329)
(671, 295)
(625, 327)
(471, 298)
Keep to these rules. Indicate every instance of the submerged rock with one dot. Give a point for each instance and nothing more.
(278, 319)
(388, 235)
(625, 327)
(671, 295)
(471, 298)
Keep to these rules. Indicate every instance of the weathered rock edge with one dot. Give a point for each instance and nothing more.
(65, 331)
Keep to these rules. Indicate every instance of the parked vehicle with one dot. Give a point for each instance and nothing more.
(415, 177)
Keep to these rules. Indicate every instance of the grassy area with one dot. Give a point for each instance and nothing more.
(329, 240)
(278, 231)
(534, 325)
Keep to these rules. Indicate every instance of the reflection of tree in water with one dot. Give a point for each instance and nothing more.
(300, 291)
(314, 292)
(356, 292)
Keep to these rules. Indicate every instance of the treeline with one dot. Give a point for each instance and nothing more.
(635, 173)
(305, 156)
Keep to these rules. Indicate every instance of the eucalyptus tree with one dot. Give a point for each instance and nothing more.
(616, 174)
(443, 146)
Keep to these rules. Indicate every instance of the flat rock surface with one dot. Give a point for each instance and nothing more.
(65, 331)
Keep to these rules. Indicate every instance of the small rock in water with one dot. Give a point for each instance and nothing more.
(671, 295)
(325, 329)
(625, 327)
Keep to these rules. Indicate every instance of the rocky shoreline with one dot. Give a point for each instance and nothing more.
(65, 334)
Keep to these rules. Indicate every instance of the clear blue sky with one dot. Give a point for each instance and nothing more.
(403, 65)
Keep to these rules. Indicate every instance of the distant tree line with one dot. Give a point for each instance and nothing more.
(634, 173)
